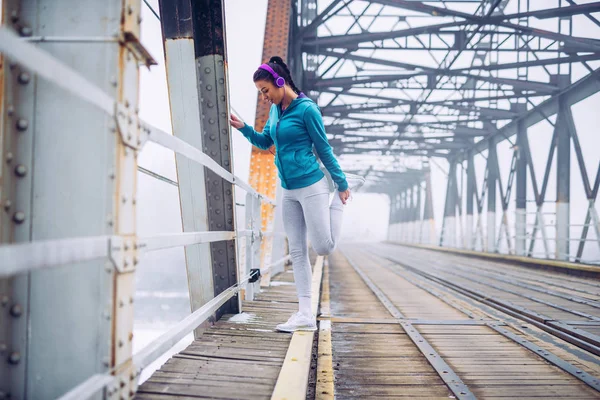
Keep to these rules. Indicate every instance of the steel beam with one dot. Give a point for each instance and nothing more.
(491, 199)
(195, 32)
(58, 183)
(521, 191)
(469, 201)
(563, 182)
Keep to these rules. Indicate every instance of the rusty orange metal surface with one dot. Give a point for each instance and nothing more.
(263, 174)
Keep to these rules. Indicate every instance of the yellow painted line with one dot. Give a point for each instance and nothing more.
(293, 377)
(325, 387)
(507, 257)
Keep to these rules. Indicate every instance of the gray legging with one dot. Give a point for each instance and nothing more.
(308, 210)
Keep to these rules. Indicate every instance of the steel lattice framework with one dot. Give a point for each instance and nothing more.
(400, 82)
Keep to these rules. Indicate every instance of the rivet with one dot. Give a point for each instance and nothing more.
(22, 124)
(3, 347)
(19, 217)
(26, 31)
(207, 70)
(113, 81)
(121, 303)
(139, 19)
(16, 310)
(10, 110)
(126, 104)
(211, 121)
(221, 80)
(224, 131)
(122, 383)
(208, 87)
(130, 336)
(4, 301)
(20, 170)
(125, 263)
(133, 200)
(131, 393)
(131, 300)
(121, 343)
(213, 137)
(24, 78)
(14, 358)
(7, 205)
(210, 104)
(124, 199)
(135, 261)
(129, 10)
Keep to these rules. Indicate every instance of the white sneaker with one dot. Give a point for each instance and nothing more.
(298, 322)
(355, 182)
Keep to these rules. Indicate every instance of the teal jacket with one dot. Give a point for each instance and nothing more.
(294, 133)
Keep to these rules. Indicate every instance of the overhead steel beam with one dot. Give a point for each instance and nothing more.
(571, 95)
(347, 82)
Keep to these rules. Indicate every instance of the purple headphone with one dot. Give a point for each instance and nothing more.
(279, 81)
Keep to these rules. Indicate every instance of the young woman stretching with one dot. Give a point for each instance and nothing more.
(294, 126)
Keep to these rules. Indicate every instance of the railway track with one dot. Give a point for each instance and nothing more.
(477, 345)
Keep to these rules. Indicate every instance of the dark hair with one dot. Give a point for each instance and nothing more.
(282, 70)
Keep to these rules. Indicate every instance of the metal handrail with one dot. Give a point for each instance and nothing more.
(22, 257)
(167, 340)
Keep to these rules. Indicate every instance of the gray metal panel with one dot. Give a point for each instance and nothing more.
(181, 69)
(72, 195)
(17, 143)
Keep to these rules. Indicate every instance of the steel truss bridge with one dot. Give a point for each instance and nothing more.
(477, 89)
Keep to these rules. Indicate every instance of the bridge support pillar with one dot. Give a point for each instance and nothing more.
(521, 191)
(563, 182)
(62, 325)
(194, 42)
(492, 162)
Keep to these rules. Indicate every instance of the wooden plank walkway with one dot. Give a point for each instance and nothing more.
(240, 357)
(399, 330)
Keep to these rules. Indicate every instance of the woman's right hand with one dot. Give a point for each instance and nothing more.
(236, 122)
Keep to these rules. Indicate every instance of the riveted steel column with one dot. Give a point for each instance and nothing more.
(68, 323)
(563, 183)
(491, 199)
(201, 24)
(209, 42)
(16, 142)
(428, 216)
(470, 201)
(409, 213)
(180, 59)
(521, 191)
(418, 219)
(449, 224)
(392, 216)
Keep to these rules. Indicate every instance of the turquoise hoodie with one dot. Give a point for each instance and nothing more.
(294, 132)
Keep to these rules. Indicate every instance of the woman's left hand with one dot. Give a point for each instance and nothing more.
(344, 196)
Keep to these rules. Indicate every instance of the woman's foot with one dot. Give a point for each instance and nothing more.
(298, 322)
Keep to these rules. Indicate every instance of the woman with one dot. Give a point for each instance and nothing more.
(294, 126)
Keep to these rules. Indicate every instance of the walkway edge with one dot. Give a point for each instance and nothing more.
(292, 382)
(325, 389)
